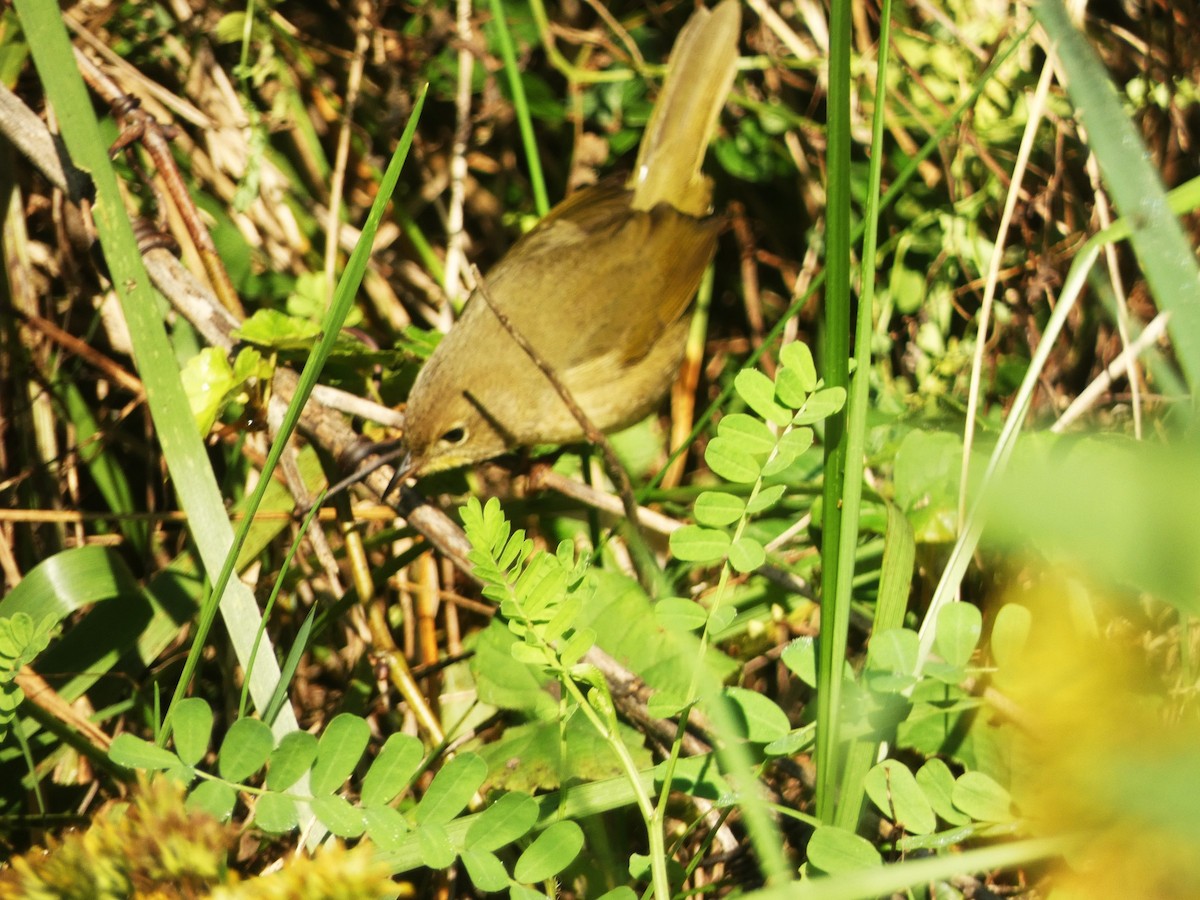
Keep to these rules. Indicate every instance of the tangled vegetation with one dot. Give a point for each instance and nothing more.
(906, 607)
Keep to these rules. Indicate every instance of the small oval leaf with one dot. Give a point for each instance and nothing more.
(691, 543)
(339, 815)
(798, 357)
(680, 614)
(730, 461)
(789, 388)
(800, 656)
(245, 749)
(834, 850)
(958, 628)
(213, 797)
(275, 813)
(392, 769)
(893, 788)
(434, 847)
(766, 498)
(290, 760)
(894, 650)
(718, 508)
(821, 405)
(937, 781)
(749, 433)
(759, 393)
(982, 798)
(507, 820)
(746, 554)
(133, 752)
(1010, 632)
(485, 870)
(339, 749)
(795, 442)
(451, 789)
(551, 852)
(386, 826)
(763, 719)
(191, 729)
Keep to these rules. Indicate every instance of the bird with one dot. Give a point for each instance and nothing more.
(600, 289)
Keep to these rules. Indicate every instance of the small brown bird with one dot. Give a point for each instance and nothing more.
(600, 288)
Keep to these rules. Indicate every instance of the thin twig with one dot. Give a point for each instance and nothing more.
(620, 31)
(1088, 396)
(1104, 215)
(543, 477)
(28, 133)
(1037, 105)
(138, 125)
(751, 296)
(342, 155)
(85, 351)
(455, 236)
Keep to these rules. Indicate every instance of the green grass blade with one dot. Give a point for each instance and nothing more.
(520, 107)
(835, 359)
(293, 658)
(895, 581)
(861, 755)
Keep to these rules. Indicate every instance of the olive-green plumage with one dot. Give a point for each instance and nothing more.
(600, 288)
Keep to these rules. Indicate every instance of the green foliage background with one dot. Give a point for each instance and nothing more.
(959, 549)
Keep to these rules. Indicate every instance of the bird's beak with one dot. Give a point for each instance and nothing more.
(403, 469)
(383, 452)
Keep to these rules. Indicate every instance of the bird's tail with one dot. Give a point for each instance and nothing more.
(699, 75)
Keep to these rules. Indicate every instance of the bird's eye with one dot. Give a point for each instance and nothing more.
(455, 435)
